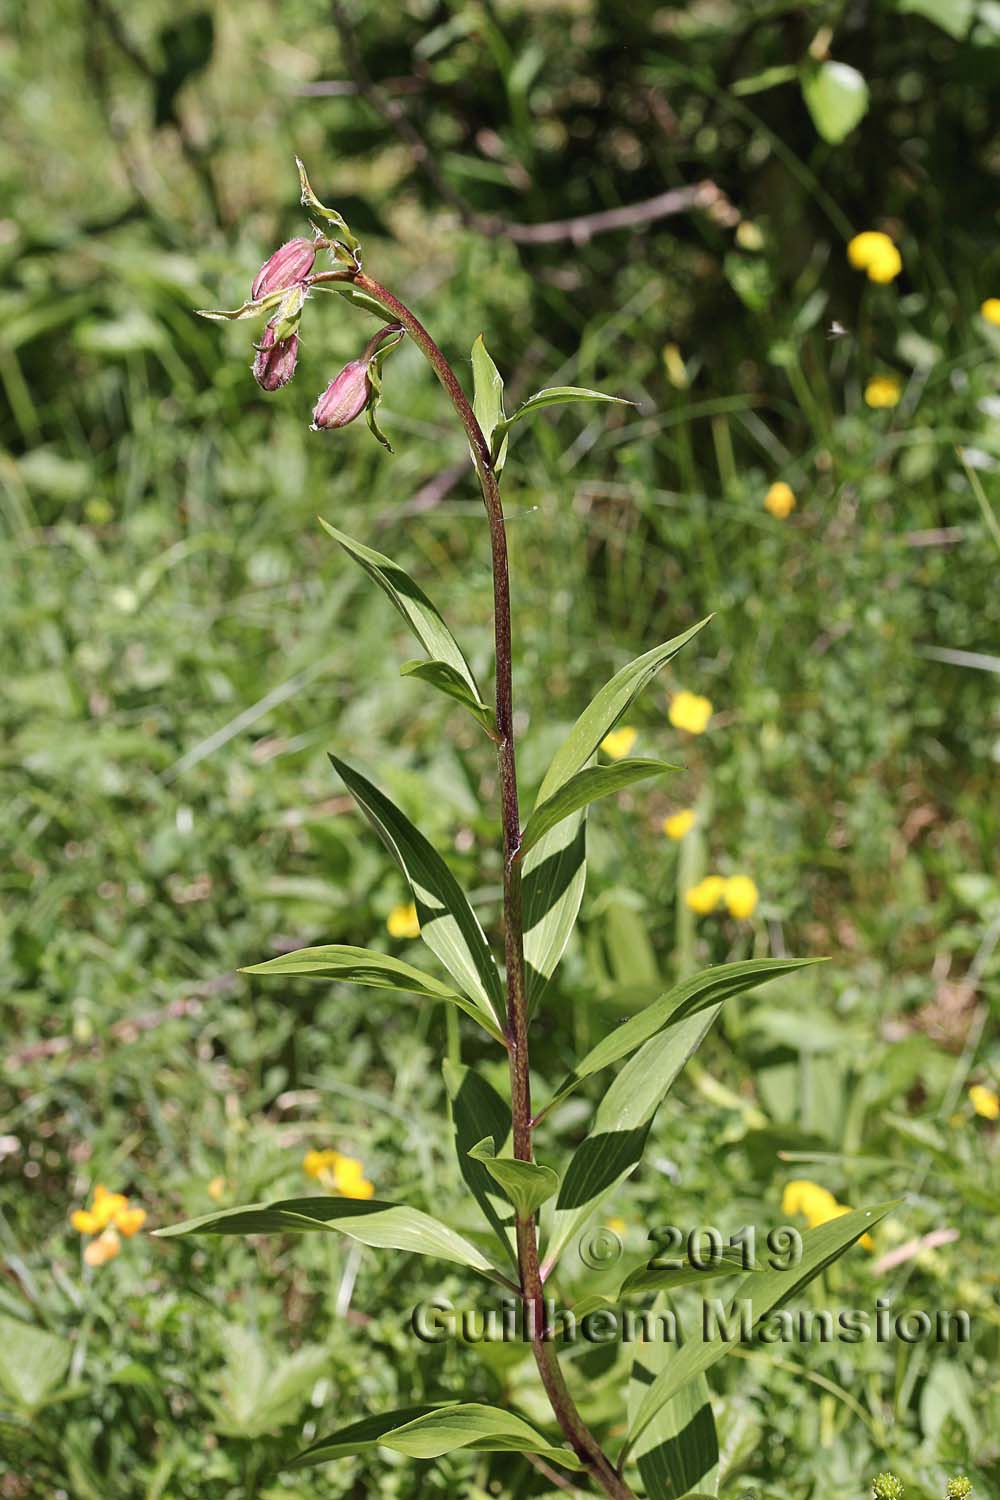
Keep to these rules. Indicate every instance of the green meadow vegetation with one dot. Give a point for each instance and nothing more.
(810, 458)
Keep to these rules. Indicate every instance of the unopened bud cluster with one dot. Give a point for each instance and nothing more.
(280, 290)
(287, 270)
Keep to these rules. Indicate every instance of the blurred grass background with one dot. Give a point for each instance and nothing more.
(182, 645)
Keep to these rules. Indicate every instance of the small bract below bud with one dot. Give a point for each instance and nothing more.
(286, 267)
(274, 362)
(345, 398)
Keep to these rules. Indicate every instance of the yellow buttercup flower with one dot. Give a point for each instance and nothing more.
(338, 1174)
(990, 310)
(704, 897)
(875, 253)
(740, 896)
(690, 711)
(780, 500)
(616, 1225)
(403, 921)
(679, 823)
(619, 742)
(984, 1101)
(883, 390)
(107, 1217)
(817, 1205)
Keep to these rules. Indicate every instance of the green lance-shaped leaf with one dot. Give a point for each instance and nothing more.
(289, 315)
(444, 677)
(447, 669)
(585, 787)
(365, 966)
(375, 381)
(554, 874)
(604, 711)
(679, 1451)
(527, 1184)
(477, 1110)
(386, 1226)
(448, 925)
(659, 1279)
(614, 1147)
(487, 400)
(554, 870)
(836, 96)
(709, 987)
(764, 1291)
(554, 395)
(437, 1430)
(248, 309)
(329, 217)
(327, 281)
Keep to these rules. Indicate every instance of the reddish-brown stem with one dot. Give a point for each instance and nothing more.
(572, 1424)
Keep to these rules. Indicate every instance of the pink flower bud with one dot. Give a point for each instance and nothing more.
(274, 362)
(345, 397)
(286, 267)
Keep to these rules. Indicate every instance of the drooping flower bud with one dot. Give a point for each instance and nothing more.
(287, 266)
(274, 362)
(345, 398)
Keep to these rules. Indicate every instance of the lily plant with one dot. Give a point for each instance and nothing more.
(535, 1200)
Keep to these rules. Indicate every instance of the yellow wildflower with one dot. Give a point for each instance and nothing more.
(316, 1163)
(403, 921)
(984, 1101)
(338, 1174)
(130, 1221)
(875, 253)
(104, 1248)
(883, 390)
(679, 823)
(814, 1202)
(619, 742)
(817, 1205)
(351, 1181)
(706, 895)
(85, 1222)
(690, 711)
(990, 310)
(780, 500)
(740, 896)
(617, 1226)
(108, 1216)
(217, 1188)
